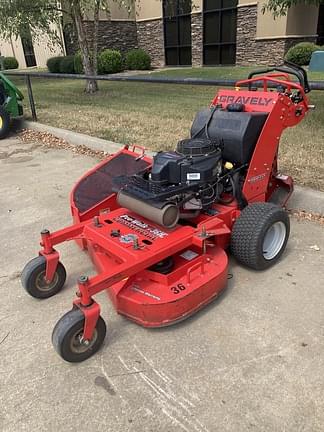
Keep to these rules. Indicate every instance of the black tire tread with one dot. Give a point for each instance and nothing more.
(65, 325)
(6, 122)
(35, 265)
(247, 230)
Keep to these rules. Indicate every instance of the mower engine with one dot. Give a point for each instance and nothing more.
(179, 185)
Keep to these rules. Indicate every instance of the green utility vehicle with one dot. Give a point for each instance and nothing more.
(10, 104)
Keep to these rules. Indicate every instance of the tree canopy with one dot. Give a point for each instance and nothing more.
(280, 7)
(38, 17)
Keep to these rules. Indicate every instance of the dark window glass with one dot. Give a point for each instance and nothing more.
(320, 27)
(212, 55)
(212, 4)
(220, 20)
(212, 30)
(177, 32)
(185, 30)
(229, 3)
(170, 8)
(171, 55)
(185, 56)
(28, 48)
(184, 7)
(227, 54)
(228, 26)
(171, 32)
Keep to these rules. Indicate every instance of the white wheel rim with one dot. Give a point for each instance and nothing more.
(274, 240)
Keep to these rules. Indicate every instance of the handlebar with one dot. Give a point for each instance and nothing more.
(287, 68)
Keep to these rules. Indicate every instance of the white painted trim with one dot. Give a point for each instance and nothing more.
(122, 19)
(194, 12)
(149, 19)
(284, 37)
(239, 6)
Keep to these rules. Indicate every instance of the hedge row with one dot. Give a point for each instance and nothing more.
(10, 63)
(109, 61)
(301, 53)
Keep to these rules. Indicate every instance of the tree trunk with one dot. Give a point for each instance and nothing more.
(92, 85)
(95, 35)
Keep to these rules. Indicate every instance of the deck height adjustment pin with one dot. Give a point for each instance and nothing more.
(115, 233)
(96, 222)
(83, 280)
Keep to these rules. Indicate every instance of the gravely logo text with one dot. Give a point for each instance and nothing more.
(246, 100)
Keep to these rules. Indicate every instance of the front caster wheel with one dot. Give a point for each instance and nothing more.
(34, 282)
(67, 337)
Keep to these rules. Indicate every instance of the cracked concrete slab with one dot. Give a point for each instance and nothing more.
(251, 361)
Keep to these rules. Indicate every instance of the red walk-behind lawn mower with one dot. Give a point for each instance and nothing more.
(157, 229)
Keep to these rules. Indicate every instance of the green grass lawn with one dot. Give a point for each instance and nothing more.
(223, 72)
(158, 115)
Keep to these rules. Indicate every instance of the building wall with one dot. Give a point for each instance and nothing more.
(148, 10)
(150, 31)
(298, 25)
(43, 49)
(116, 11)
(263, 40)
(13, 48)
(119, 35)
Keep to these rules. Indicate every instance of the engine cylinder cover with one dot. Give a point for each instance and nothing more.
(196, 147)
(195, 160)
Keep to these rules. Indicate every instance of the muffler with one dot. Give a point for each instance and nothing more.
(167, 216)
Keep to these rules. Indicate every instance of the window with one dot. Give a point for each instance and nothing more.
(320, 27)
(177, 32)
(28, 48)
(219, 31)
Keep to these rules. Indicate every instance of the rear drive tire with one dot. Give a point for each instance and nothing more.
(4, 123)
(260, 235)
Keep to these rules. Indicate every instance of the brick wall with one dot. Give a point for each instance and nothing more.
(119, 35)
(150, 37)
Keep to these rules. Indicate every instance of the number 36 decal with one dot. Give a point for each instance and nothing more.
(177, 289)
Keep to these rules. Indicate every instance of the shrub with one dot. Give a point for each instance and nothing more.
(138, 59)
(10, 63)
(53, 64)
(78, 66)
(302, 53)
(67, 65)
(110, 61)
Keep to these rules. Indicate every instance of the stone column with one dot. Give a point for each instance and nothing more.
(150, 36)
(197, 39)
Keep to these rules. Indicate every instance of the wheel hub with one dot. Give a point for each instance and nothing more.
(43, 285)
(80, 345)
(274, 240)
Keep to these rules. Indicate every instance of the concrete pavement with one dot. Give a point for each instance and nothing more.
(251, 361)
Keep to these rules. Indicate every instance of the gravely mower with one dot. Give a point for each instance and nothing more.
(157, 229)
(10, 104)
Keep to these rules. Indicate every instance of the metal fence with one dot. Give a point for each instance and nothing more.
(314, 85)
